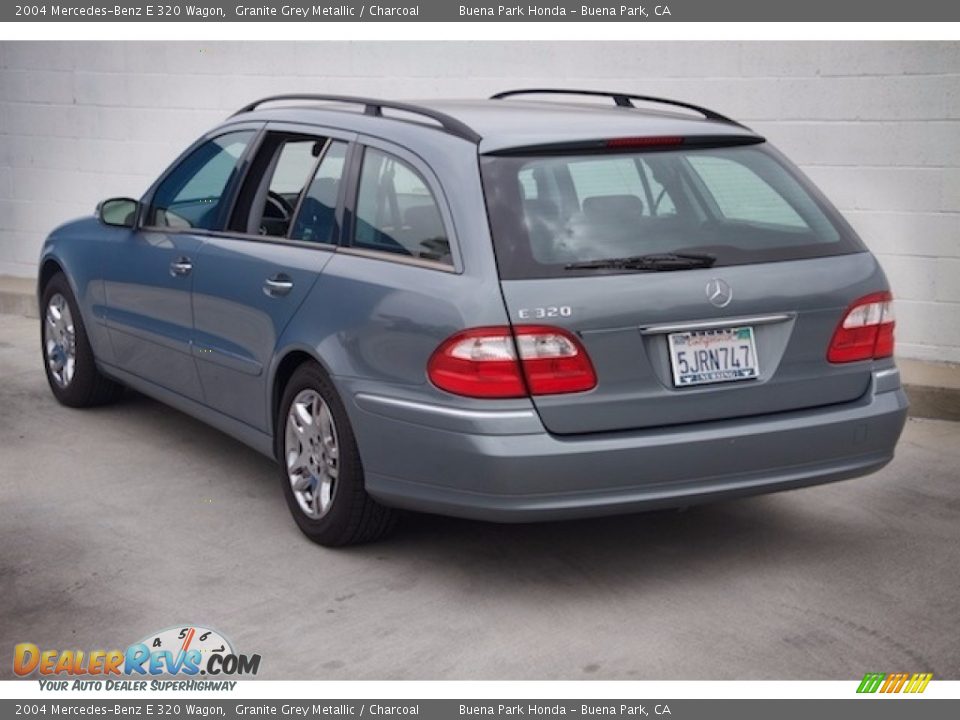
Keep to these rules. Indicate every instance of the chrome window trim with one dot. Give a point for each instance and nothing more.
(310, 245)
(271, 239)
(397, 258)
(665, 328)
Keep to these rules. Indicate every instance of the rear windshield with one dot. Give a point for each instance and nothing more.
(740, 204)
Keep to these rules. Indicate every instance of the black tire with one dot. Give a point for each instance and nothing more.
(88, 387)
(353, 516)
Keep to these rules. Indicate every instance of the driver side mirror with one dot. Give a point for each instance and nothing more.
(118, 212)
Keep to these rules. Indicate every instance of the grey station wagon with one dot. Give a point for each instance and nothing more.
(548, 304)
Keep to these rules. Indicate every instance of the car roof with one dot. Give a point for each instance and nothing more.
(511, 123)
(500, 124)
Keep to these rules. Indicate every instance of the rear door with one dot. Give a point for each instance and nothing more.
(250, 280)
(744, 273)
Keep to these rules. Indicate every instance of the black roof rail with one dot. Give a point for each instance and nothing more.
(620, 99)
(375, 106)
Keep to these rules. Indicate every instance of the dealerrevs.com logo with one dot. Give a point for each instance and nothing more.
(185, 651)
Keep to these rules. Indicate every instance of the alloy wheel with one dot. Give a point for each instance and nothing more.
(59, 341)
(312, 453)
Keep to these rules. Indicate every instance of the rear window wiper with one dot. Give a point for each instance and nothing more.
(654, 262)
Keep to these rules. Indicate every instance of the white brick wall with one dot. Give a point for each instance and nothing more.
(877, 125)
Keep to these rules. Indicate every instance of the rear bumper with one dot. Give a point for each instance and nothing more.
(526, 476)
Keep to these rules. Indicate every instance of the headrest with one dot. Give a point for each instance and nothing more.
(616, 206)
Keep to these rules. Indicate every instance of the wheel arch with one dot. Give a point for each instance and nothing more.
(286, 365)
(49, 267)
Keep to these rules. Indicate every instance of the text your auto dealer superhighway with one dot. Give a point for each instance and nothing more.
(326, 11)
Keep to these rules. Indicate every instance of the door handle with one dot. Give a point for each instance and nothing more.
(181, 266)
(278, 285)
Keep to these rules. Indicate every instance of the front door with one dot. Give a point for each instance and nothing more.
(148, 277)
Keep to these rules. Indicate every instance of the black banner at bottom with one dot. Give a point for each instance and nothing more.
(874, 708)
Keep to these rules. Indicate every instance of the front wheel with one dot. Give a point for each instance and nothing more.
(320, 465)
(67, 356)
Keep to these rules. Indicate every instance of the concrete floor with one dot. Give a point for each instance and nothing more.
(124, 520)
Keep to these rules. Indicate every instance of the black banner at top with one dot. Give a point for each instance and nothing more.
(474, 11)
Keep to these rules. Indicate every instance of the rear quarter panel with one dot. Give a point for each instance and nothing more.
(373, 323)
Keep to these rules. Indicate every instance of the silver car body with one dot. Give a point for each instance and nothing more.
(218, 345)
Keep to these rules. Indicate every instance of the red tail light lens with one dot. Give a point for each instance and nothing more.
(484, 363)
(553, 360)
(866, 330)
(481, 362)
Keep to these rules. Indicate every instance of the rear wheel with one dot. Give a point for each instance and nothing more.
(67, 356)
(320, 465)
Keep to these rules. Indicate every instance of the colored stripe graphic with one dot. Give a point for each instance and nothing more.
(894, 682)
(918, 683)
(871, 682)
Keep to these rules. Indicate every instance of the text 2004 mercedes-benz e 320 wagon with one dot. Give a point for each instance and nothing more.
(508, 309)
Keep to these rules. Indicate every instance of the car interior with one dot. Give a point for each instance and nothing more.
(576, 208)
(293, 187)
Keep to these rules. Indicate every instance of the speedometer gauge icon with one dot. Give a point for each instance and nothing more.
(184, 638)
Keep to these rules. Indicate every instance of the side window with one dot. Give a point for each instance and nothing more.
(285, 178)
(190, 196)
(316, 220)
(396, 211)
(742, 195)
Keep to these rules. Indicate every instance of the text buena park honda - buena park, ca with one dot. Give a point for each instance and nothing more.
(622, 710)
(622, 11)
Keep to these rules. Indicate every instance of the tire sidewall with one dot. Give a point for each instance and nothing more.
(84, 369)
(335, 524)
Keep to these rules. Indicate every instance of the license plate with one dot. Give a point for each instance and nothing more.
(713, 356)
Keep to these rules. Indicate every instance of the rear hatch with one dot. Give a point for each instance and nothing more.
(705, 280)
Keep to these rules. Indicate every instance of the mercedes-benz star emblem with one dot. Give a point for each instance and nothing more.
(719, 293)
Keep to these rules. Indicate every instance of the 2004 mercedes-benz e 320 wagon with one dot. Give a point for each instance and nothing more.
(505, 309)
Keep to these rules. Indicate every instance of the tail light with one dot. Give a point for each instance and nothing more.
(866, 330)
(500, 362)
